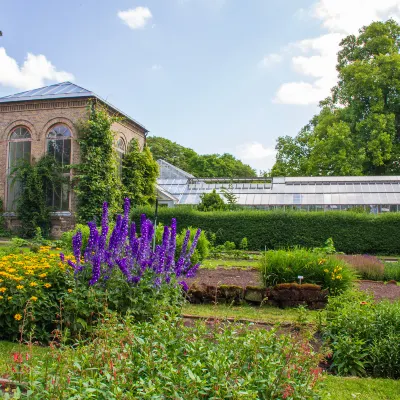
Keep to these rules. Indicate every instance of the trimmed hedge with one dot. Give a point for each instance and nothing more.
(352, 233)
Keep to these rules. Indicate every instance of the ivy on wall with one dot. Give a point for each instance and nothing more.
(139, 175)
(97, 174)
(37, 181)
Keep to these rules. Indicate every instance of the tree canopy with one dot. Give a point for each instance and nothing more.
(205, 166)
(357, 131)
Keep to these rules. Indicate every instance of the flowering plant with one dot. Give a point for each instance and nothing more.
(126, 270)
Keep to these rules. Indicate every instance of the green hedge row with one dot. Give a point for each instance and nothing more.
(352, 233)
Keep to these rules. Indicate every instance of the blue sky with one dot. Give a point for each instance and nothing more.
(214, 75)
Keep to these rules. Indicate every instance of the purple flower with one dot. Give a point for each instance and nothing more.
(184, 285)
(62, 257)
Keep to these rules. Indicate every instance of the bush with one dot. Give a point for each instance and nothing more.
(367, 267)
(66, 237)
(280, 266)
(31, 288)
(168, 360)
(352, 233)
(364, 335)
(392, 271)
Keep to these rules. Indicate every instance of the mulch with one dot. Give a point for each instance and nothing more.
(251, 277)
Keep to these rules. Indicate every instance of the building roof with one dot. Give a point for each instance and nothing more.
(64, 90)
(323, 192)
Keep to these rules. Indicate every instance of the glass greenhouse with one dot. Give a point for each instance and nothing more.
(376, 194)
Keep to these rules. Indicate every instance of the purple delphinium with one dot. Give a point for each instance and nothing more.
(131, 253)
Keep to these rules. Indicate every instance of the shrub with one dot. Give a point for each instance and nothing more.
(280, 266)
(367, 267)
(168, 360)
(31, 288)
(392, 271)
(352, 233)
(364, 335)
(66, 237)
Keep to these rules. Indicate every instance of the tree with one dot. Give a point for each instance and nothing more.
(357, 131)
(139, 175)
(202, 166)
(229, 196)
(211, 202)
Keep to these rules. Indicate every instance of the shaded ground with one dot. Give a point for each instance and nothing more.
(381, 290)
(251, 277)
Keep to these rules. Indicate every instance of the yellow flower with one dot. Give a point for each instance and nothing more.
(18, 317)
(47, 285)
(19, 287)
(9, 298)
(70, 290)
(33, 284)
(2, 289)
(1, 297)
(43, 275)
(58, 248)
(34, 298)
(326, 270)
(338, 276)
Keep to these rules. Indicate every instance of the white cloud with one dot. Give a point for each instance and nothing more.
(270, 59)
(136, 18)
(318, 55)
(156, 67)
(257, 155)
(33, 73)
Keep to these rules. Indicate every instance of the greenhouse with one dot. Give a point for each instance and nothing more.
(376, 194)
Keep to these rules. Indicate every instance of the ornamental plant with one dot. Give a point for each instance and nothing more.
(284, 266)
(123, 271)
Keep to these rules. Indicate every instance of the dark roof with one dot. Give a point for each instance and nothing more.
(62, 90)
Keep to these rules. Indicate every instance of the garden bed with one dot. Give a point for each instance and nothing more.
(381, 290)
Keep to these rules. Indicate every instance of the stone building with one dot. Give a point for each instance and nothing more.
(44, 120)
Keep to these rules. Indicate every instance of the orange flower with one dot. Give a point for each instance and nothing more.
(18, 317)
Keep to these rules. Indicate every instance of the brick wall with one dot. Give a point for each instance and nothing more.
(39, 117)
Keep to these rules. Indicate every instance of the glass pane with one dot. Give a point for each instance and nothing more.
(20, 133)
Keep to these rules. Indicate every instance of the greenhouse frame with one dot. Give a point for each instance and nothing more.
(376, 194)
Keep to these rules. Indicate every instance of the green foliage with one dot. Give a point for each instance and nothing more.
(229, 196)
(139, 175)
(66, 237)
(244, 244)
(280, 266)
(357, 130)
(168, 360)
(208, 165)
(352, 233)
(211, 202)
(37, 181)
(97, 177)
(364, 335)
(3, 230)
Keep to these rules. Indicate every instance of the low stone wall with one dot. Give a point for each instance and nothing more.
(283, 295)
(59, 224)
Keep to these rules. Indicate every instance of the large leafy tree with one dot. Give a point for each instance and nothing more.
(206, 166)
(357, 131)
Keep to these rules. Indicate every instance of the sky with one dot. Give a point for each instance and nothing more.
(213, 75)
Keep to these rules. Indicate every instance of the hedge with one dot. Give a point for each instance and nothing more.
(352, 233)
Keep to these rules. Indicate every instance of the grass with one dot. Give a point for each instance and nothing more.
(360, 389)
(226, 263)
(8, 348)
(267, 314)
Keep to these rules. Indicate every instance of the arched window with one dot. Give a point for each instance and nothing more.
(19, 148)
(121, 150)
(59, 145)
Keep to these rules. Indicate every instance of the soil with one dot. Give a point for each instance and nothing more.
(227, 276)
(381, 290)
(251, 277)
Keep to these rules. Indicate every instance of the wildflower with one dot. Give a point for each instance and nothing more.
(184, 285)
(69, 290)
(363, 303)
(43, 275)
(33, 284)
(9, 298)
(326, 270)
(47, 285)
(3, 289)
(18, 317)
(34, 298)
(1, 297)
(19, 287)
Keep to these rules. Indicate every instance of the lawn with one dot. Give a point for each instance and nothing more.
(226, 263)
(267, 314)
(338, 388)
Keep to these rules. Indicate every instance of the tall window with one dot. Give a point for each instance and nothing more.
(19, 148)
(59, 146)
(121, 150)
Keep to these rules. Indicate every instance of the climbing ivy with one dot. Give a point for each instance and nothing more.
(139, 175)
(37, 181)
(97, 177)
